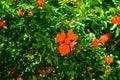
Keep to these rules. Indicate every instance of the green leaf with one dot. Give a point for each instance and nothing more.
(100, 1)
(111, 9)
(34, 77)
(117, 31)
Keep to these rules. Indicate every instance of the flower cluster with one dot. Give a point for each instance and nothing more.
(2, 23)
(40, 3)
(67, 42)
(103, 39)
(21, 13)
(40, 71)
(108, 60)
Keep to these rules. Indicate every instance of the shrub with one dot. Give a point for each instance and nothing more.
(59, 40)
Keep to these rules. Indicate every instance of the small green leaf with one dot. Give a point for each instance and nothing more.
(34, 77)
(112, 9)
(117, 31)
(100, 1)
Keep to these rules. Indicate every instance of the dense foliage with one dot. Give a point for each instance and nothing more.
(59, 40)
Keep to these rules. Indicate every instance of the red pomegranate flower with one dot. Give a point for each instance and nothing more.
(108, 59)
(67, 41)
(40, 2)
(49, 69)
(2, 23)
(71, 35)
(72, 44)
(64, 49)
(20, 13)
(29, 13)
(104, 38)
(108, 35)
(19, 78)
(60, 37)
(115, 21)
(95, 42)
(108, 71)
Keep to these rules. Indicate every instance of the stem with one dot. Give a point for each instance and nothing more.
(114, 45)
(114, 26)
(88, 71)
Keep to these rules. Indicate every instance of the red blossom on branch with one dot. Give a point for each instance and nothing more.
(66, 42)
(72, 35)
(2, 23)
(19, 78)
(64, 49)
(40, 2)
(104, 38)
(60, 37)
(95, 42)
(116, 19)
(29, 13)
(20, 13)
(108, 59)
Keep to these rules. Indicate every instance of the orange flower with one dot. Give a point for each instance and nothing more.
(104, 38)
(40, 71)
(2, 23)
(108, 35)
(29, 13)
(19, 78)
(20, 13)
(108, 59)
(108, 71)
(95, 42)
(12, 69)
(116, 19)
(60, 37)
(72, 44)
(67, 41)
(64, 49)
(40, 2)
(71, 35)
(49, 69)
